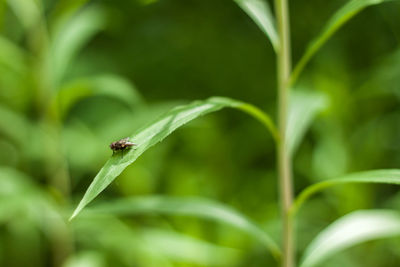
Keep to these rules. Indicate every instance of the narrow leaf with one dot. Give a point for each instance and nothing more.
(27, 11)
(64, 9)
(149, 246)
(304, 106)
(19, 196)
(12, 56)
(183, 248)
(156, 132)
(85, 259)
(14, 126)
(12, 181)
(260, 13)
(118, 239)
(108, 85)
(72, 36)
(350, 230)
(344, 14)
(388, 176)
(189, 206)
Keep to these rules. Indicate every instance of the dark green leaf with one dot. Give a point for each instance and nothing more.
(344, 14)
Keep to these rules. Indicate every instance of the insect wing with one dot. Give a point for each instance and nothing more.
(126, 142)
(130, 144)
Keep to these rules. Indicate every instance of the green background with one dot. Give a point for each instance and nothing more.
(141, 58)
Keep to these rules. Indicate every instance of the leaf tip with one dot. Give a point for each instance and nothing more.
(76, 212)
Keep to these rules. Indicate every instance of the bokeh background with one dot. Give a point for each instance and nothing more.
(76, 75)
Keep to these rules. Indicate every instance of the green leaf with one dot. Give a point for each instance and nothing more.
(304, 106)
(85, 259)
(15, 187)
(64, 9)
(22, 199)
(344, 14)
(147, 246)
(16, 89)
(118, 239)
(14, 126)
(183, 248)
(12, 181)
(109, 85)
(156, 132)
(350, 230)
(2, 13)
(27, 11)
(72, 36)
(388, 176)
(260, 13)
(189, 206)
(11, 56)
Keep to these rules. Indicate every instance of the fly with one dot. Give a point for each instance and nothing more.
(121, 145)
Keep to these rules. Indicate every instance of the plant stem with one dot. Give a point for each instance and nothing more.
(284, 163)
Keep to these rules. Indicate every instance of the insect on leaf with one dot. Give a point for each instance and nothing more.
(157, 131)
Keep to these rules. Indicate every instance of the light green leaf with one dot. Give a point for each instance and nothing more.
(120, 239)
(189, 206)
(27, 11)
(22, 199)
(14, 79)
(109, 85)
(344, 14)
(304, 106)
(388, 176)
(156, 132)
(183, 248)
(85, 259)
(11, 56)
(14, 126)
(13, 184)
(149, 246)
(72, 36)
(260, 13)
(350, 230)
(12, 181)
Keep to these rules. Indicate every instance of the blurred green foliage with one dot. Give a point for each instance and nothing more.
(76, 75)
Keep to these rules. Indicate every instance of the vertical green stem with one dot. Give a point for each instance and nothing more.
(284, 163)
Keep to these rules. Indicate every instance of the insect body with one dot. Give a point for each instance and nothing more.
(121, 144)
